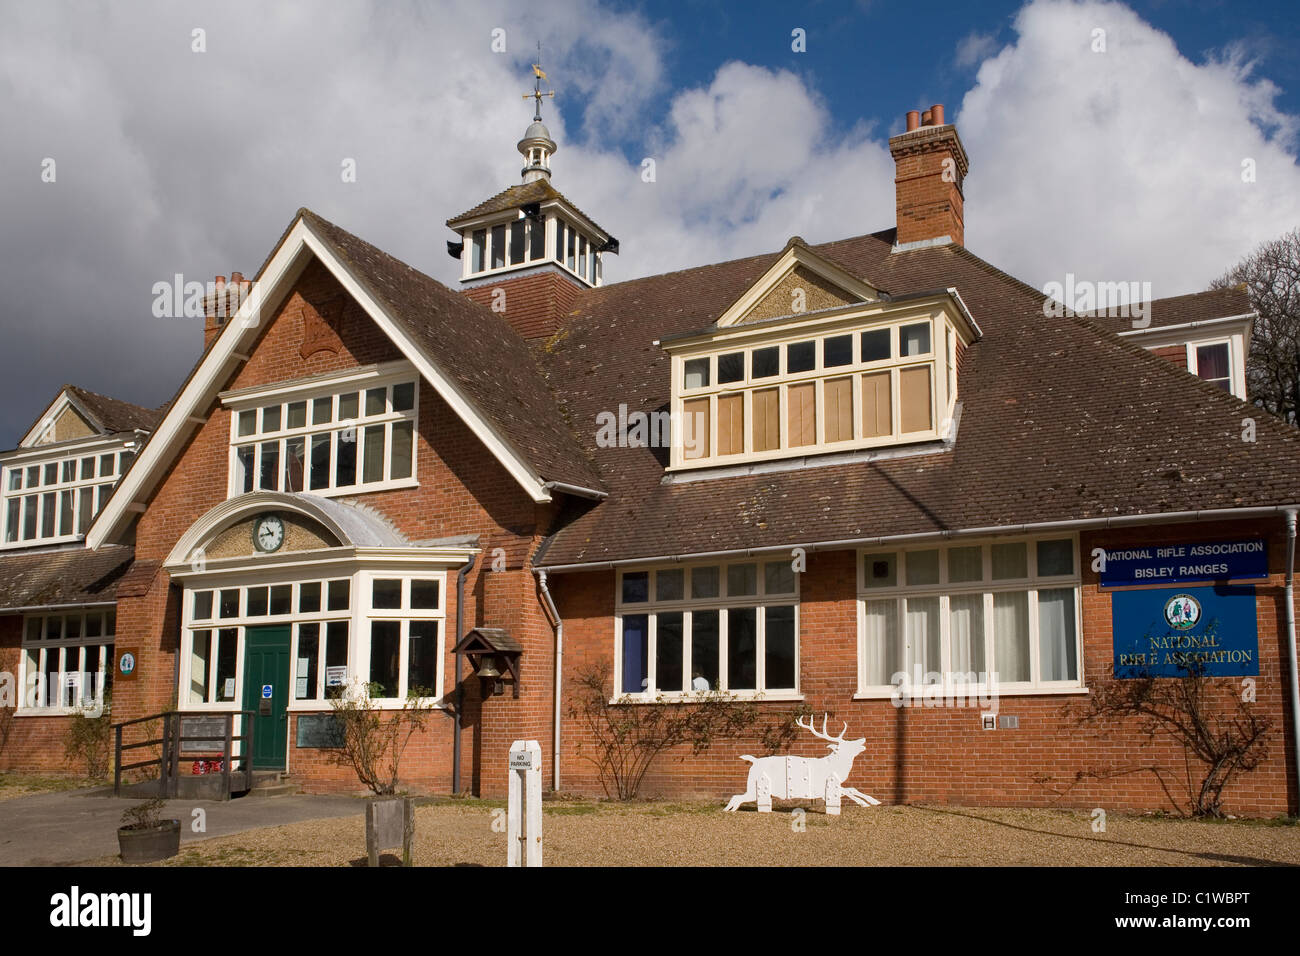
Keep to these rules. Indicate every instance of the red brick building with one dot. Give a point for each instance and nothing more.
(877, 477)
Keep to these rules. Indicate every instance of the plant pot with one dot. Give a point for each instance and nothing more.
(155, 843)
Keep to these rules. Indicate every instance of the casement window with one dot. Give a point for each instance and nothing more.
(522, 241)
(330, 443)
(1001, 615)
(800, 393)
(67, 660)
(1212, 361)
(386, 629)
(693, 629)
(52, 501)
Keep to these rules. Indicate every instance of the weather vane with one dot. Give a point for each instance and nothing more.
(537, 93)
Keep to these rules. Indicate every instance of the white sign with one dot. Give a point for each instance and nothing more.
(230, 688)
(521, 760)
(127, 664)
(524, 807)
(336, 676)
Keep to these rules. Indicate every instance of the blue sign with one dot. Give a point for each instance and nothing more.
(266, 692)
(1186, 563)
(1173, 632)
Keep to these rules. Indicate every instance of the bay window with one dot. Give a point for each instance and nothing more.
(702, 628)
(1001, 615)
(52, 501)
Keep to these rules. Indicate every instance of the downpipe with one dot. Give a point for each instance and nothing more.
(558, 624)
(460, 689)
(1294, 672)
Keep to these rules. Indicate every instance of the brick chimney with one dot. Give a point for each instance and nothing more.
(930, 164)
(221, 303)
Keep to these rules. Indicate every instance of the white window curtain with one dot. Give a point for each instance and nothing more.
(1056, 644)
(880, 653)
(1011, 636)
(966, 630)
(923, 653)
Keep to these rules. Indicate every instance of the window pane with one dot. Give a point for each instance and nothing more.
(304, 684)
(244, 456)
(94, 625)
(227, 653)
(800, 357)
(293, 464)
(202, 605)
(880, 570)
(386, 593)
(322, 410)
(1011, 636)
(297, 416)
(731, 424)
(801, 414)
(880, 643)
(669, 584)
(636, 587)
(345, 464)
(914, 399)
(922, 634)
(915, 339)
(229, 603)
(349, 404)
(668, 651)
(765, 362)
(65, 513)
(85, 500)
(404, 397)
(87, 469)
(778, 577)
(282, 599)
(704, 650)
(779, 648)
(570, 248)
(837, 350)
(875, 345)
(53, 628)
(16, 478)
(339, 595)
(31, 505)
(320, 461)
(271, 418)
(966, 631)
(336, 646)
(742, 648)
(268, 474)
(965, 564)
(424, 595)
(257, 602)
(704, 582)
(51, 470)
(1010, 561)
(13, 511)
(636, 647)
(731, 367)
(1056, 557)
(34, 629)
(72, 626)
(69, 470)
(697, 373)
(200, 661)
(922, 567)
(498, 246)
(1212, 364)
(517, 241)
(309, 597)
(478, 242)
(385, 650)
(422, 658)
(373, 469)
(742, 580)
(101, 496)
(837, 402)
(766, 404)
(537, 239)
(376, 401)
(49, 505)
(1056, 644)
(582, 256)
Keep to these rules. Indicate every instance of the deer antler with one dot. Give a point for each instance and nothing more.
(822, 734)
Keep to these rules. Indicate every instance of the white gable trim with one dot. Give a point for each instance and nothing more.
(64, 401)
(796, 255)
(231, 346)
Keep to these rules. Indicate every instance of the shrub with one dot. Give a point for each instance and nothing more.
(144, 816)
(88, 740)
(374, 739)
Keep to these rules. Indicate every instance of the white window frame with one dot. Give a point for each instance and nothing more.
(943, 590)
(942, 394)
(760, 600)
(76, 486)
(1193, 362)
(404, 615)
(337, 428)
(105, 641)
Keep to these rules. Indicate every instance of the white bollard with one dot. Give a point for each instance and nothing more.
(524, 806)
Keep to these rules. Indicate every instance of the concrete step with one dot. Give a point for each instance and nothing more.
(273, 790)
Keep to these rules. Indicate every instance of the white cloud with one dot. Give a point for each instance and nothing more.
(1122, 165)
(974, 47)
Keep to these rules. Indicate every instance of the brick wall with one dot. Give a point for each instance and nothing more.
(534, 305)
(1172, 353)
(942, 755)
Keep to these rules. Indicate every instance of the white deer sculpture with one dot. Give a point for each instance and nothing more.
(814, 778)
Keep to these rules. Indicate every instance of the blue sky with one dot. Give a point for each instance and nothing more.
(1124, 167)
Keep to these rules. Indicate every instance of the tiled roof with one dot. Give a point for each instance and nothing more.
(31, 579)
(1061, 420)
(476, 348)
(539, 190)
(114, 414)
(1182, 309)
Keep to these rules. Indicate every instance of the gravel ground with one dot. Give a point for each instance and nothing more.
(674, 834)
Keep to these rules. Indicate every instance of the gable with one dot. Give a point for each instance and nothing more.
(801, 290)
(68, 424)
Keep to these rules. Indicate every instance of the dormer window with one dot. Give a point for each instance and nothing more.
(860, 377)
(54, 500)
(524, 242)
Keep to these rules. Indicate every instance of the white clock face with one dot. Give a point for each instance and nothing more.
(268, 533)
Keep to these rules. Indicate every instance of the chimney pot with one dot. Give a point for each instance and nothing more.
(237, 278)
(913, 120)
(925, 118)
(936, 114)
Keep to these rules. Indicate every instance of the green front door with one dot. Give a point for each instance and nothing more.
(266, 693)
